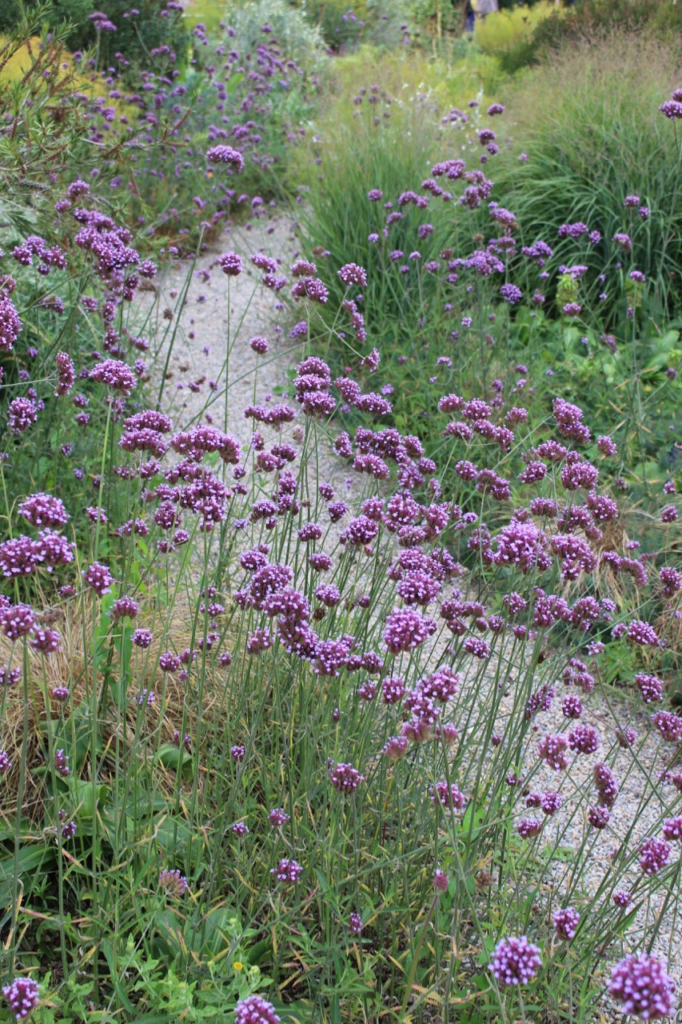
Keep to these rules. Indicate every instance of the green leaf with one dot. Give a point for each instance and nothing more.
(108, 951)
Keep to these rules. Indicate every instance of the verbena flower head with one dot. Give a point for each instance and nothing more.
(642, 987)
(142, 638)
(672, 108)
(515, 961)
(9, 676)
(654, 855)
(522, 544)
(18, 557)
(395, 747)
(259, 345)
(278, 817)
(598, 817)
(355, 924)
(115, 374)
(566, 923)
(649, 686)
(642, 633)
(406, 629)
(22, 995)
(61, 764)
(606, 446)
(672, 829)
(669, 725)
(255, 1010)
(287, 871)
(10, 324)
(98, 577)
(169, 662)
(550, 802)
(606, 785)
(529, 828)
(449, 796)
(43, 510)
(344, 777)
(230, 264)
(227, 156)
(552, 750)
(173, 882)
(45, 641)
(16, 620)
(671, 580)
(584, 739)
(352, 274)
(511, 294)
(22, 413)
(66, 372)
(124, 607)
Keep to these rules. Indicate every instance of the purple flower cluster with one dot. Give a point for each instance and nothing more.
(566, 923)
(226, 156)
(10, 324)
(22, 995)
(515, 961)
(98, 578)
(654, 855)
(173, 882)
(406, 629)
(287, 871)
(642, 987)
(344, 777)
(448, 796)
(255, 1010)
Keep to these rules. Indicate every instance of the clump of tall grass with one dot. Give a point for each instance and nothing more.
(585, 122)
(385, 122)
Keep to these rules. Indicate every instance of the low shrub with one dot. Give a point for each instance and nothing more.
(344, 24)
(341, 23)
(506, 30)
(298, 38)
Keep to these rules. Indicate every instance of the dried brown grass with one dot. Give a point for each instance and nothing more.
(26, 707)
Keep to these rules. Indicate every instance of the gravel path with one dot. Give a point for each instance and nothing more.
(198, 356)
(199, 349)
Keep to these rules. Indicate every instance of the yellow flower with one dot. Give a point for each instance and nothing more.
(238, 965)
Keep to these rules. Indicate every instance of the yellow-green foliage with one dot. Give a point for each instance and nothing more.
(407, 75)
(24, 56)
(335, 7)
(505, 29)
(206, 12)
(20, 61)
